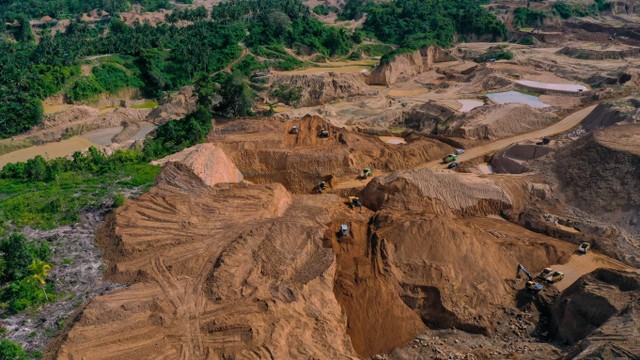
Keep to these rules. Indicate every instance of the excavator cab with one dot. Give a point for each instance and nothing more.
(294, 130)
(354, 201)
(324, 133)
(534, 287)
(321, 187)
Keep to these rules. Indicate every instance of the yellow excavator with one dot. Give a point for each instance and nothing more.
(353, 202)
(531, 285)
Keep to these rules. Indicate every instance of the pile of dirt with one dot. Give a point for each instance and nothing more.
(437, 235)
(599, 314)
(175, 106)
(599, 55)
(229, 271)
(404, 66)
(513, 159)
(207, 162)
(426, 117)
(318, 89)
(615, 112)
(499, 121)
(265, 151)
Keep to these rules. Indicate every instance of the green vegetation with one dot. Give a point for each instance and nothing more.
(495, 52)
(325, 10)
(175, 136)
(375, 49)
(44, 194)
(526, 40)
(567, 10)
(523, 17)
(24, 272)
(11, 351)
(197, 14)
(415, 23)
(147, 105)
(354, 9)
(287, 94)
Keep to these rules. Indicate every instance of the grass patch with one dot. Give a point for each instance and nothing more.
(8, 145)
(147, 105)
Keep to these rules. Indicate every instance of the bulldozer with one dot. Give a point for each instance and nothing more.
(531, 286)
(365, 173)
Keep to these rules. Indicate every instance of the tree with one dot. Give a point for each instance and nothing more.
(16, 257)
(11, 351)
(39, 273)
(237, 97)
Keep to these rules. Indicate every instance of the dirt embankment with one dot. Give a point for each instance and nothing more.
(616, 112)
(404, 66)
(599, 54)
(499, 121)
(226, 271)
(599, 314)
(318, 89)
(265, 151)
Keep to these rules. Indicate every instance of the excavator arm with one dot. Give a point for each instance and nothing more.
(524, 270)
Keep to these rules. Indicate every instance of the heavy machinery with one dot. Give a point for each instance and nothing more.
(353, 202)
(584, 248)
(459, 151)
(449, 158)
(365, 173)
(324, 133)
(531, 285)
(294, 130)
(321, 187)
(344, 230)
(551, 276)
(453, 165)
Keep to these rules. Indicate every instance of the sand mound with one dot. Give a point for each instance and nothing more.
(600, 313)
(513, 159)
(499, 121)
(175, 107)
(318, 89)
(230, 271)
(426, 117)
(462, 193)
(206, 161)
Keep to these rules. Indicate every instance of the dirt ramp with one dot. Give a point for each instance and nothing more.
(614, 112)
(599, 314)
(513, 159)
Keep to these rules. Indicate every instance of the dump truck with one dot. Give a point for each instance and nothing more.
(449, 158)
(551, 276)
(365, 173)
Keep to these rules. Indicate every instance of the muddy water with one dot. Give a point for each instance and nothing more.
(393, 140)
(48, 151)
(468, 104)
(551, 86)
(515, 97)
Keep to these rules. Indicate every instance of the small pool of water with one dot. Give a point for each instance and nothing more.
(515, 97)
(468, 104)
(393, 140)
(552, 86)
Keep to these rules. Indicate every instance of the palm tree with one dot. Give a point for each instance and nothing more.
(39, 273)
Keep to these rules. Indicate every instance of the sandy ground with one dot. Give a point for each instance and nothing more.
(49, 151)
(579, 265)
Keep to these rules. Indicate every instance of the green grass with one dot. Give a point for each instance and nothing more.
(45, 205)
(8, 145)
(147, 105)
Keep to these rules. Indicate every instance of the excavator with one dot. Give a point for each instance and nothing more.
(321, 187)
(353, 202)
(531, 285)
(365, 173)
(324, 133)
(294, 130)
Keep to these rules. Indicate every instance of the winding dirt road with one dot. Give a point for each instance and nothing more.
(569, 122)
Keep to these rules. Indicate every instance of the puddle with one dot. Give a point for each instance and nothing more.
(515, 97)
(48, 151)
(393, 140)
(468, 104)
(52, 109)
(102, 136)
(551, 86)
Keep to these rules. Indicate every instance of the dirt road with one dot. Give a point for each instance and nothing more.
(563, 125)
(245, 52)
